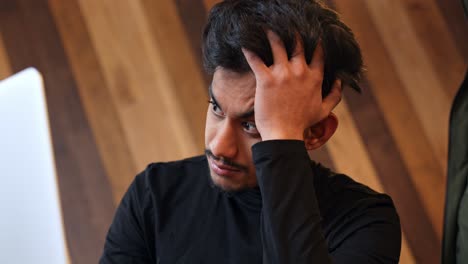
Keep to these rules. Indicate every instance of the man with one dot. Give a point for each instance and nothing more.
(255, 197)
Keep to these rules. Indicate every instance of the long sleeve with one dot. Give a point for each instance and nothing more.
(291, 221)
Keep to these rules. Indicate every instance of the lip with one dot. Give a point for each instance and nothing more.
(223, 170)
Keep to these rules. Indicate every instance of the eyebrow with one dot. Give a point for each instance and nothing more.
(245, 115)
(210, 92)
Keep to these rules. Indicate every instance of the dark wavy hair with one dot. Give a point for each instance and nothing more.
(233, 24)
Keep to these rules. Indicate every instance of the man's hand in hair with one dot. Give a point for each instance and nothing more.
(288, 97)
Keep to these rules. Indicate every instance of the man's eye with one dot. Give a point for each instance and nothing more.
(250, 127)
(215, 108)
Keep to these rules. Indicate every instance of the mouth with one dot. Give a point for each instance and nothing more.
(223, 170)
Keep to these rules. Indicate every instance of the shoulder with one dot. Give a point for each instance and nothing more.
(342, 191)
(167, 171)
(174, 167)
(351, 199)
(161, 177)
(347, 189)
(348, 206)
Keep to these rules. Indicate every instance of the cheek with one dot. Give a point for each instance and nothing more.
(210, 127)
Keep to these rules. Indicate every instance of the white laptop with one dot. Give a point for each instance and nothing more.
(31, 226)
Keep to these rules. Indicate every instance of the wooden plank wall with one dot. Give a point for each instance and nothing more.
(125, 87)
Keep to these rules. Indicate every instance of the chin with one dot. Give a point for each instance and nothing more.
(227, 185)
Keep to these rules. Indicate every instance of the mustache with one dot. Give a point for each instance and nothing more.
(225, 161)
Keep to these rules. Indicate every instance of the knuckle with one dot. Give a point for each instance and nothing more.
(281, 74)
(300, 71)
(284, 76)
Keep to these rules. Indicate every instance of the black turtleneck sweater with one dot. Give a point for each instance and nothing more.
(300, 213)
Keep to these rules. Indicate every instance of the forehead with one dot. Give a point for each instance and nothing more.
(228, 86)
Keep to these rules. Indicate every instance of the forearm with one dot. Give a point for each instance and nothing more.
(291, 221)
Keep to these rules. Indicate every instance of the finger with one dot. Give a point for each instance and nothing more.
(277, 48)
(298, 54)
(255, 62)
(333, 98)
(317, 62)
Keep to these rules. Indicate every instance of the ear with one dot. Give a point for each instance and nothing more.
(318, 134)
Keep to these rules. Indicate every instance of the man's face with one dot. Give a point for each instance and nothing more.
(230, 130)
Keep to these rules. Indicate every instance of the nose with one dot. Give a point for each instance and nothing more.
(224, 143)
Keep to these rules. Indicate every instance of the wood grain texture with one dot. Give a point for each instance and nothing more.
(140, 82)
(457, 24)
(210, 3)
(193, 15)
(348, 151)
(93, 89)
(181, 58)
(437, 42)
(125, 87)
(5, 69)
(425, 171)
(432, 104)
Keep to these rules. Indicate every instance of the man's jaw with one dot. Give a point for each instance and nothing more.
(226, 175)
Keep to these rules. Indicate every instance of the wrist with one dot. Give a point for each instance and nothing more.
(283, 135)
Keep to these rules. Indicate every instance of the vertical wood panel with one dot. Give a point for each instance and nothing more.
(192, 14)
(418, 76)
(437, 42)
(425, 171)
(5, 69)
(100, 109)
(457, 23)
(210, 3)
(349, 152)
(185, 75)
(31, 39)
(139, 81)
